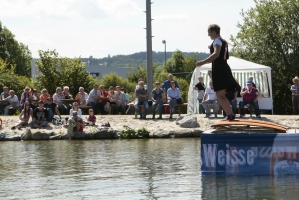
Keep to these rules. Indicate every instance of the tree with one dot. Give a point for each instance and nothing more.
(14, 53)
(175, 64)
(58, 72)
(269, 35)
(11, 80)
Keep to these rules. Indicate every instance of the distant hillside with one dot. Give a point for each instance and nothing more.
(136, 59)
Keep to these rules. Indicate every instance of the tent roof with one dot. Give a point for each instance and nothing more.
(237, 64)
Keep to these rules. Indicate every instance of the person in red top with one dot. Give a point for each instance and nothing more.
(91, 120)
(101, 102)
(250, 96)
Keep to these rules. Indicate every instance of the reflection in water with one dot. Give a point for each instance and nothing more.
(124, 169)
(105, 169)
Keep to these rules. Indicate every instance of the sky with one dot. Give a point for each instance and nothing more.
(84, 28)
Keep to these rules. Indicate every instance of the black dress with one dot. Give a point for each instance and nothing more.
(221, 73)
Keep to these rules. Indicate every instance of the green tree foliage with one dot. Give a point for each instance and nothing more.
(14, 53)
(58, 72)
(269, 35)
(11, 80)
(175, 64)
(184, 88)
(136, 73)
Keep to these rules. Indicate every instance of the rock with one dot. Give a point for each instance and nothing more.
(11, 136)
(182, 133)
(55, 137)
(27, 135)
(178, 119)
(196, 133)
(189, 121)
(78, 136)
(38, 135)
(162, 133)
(105, 133)
(90, 136)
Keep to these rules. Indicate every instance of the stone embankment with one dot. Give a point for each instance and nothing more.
(190, 125)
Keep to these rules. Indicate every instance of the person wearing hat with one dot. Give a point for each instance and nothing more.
(295, 94)
(250, 96)
(26, 96)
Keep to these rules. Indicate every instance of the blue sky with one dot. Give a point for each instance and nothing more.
(83, 28)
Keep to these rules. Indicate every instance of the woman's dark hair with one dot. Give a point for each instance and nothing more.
(214, 27)
(26, 112)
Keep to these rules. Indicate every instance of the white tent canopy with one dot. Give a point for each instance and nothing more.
(241, 70)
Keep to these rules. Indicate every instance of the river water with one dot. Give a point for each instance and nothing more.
(123, 169)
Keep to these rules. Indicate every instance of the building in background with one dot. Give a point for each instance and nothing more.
(96, 71)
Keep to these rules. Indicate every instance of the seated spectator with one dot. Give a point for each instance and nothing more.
(75, 125)
(26, 96)
(113, 99)
(82, 97)
(93, 98)
(25, 115)
(34, 99)
(91, 120)
(40, 116)
(4, 95)
(251, 79)
(44, 95)
(57, 97)
(250, 96)
(52, 108)
(121, 100)
(141, 96)
(127, 96)
(76, 108)
(137, 86)
(167, 84)
(103, 103)
(174, 97)
(13, 102)
(66, 93)
(157, 99)
(211, 99)
(200, 87)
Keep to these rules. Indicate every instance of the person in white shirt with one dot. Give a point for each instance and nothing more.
(210, 100)
(13, 102)
(81, 97)
(76, 108)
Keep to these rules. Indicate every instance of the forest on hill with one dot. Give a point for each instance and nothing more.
(137, 59)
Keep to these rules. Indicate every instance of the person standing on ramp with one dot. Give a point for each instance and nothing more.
(221, 73)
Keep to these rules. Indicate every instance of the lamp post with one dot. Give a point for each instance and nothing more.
(164, 42)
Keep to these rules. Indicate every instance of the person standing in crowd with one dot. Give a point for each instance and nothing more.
(200, 87)
(295, 94)
(221, 73)
(157, 99)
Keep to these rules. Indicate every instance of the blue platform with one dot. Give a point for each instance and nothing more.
(249, 154)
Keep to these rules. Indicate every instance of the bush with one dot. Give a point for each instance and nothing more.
(129, 133)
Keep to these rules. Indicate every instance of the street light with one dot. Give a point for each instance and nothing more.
(164, 42)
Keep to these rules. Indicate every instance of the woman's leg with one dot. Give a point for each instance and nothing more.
(223, 101)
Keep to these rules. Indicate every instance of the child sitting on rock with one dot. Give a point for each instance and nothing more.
(91, 120)
(25, 115)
